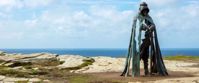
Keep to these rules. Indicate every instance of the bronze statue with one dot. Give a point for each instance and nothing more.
(143, 48)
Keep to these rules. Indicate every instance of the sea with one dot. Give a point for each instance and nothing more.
(103, 52)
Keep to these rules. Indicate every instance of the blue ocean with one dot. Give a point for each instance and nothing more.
(104, 52)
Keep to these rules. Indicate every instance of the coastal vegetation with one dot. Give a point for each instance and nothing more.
(183, 58)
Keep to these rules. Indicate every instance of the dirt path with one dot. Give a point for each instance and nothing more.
(142, 78)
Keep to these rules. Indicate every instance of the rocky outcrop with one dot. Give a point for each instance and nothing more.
(43, 63)
(70, 61)
(13, 57)
(181, 66)
(103, 64)
(100, 63)
(109, 64)
(26, 59)
(73, 63)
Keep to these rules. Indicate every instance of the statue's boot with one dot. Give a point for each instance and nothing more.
(146, 70)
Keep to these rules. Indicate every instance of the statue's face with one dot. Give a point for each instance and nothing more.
(145, 12)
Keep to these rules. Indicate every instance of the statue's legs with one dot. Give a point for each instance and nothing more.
(145, 54)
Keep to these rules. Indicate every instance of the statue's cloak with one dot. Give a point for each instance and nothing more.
(156, 62)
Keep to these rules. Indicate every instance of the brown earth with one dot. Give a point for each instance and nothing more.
(142, 78)
(114, 77)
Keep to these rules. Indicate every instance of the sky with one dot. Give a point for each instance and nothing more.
(94, 23)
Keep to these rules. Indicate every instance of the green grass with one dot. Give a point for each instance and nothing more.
(79, 79)
(7, 71)
(61, 62)
(182, 58)
(27, 82)
(12, 72)
(21, 82)
(38, 72)
(83, 78)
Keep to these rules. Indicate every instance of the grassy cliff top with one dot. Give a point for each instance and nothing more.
(182, 58)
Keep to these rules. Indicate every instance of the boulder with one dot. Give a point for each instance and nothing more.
(14, 60)
(104, 64)
(70, 60)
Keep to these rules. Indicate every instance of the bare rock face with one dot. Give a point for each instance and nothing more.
(35, 80)
(80, 64)
(14, 79)
(70, 60)
(43, 55)
(2, 77)
(13, 60)
(182, 66)
(104, 64)
(14, 57)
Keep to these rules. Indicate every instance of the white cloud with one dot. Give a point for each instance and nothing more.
(9, 5)
(36, 3)
(177, 23)
(3, 15)
(31, 23)
(161, 3)
(81, 23)
(91, 2)
(7, 2)
(70, 26)
(96, 24)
